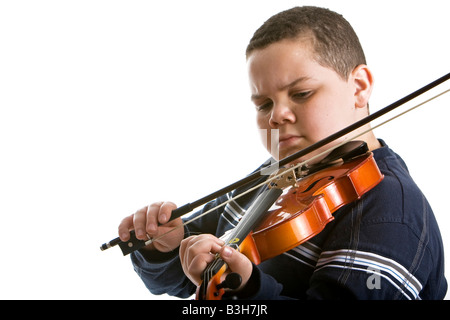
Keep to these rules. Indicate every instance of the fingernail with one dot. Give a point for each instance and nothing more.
(140, 234)
(152, 227)
(163, 218)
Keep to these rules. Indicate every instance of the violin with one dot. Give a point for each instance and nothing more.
(301, 208)
(295, 204)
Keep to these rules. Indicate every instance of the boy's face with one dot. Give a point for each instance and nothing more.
(305, 101)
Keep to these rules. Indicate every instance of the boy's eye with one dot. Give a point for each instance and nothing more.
(301, 95)
(265, 106)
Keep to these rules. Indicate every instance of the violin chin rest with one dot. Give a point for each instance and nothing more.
(347, 151)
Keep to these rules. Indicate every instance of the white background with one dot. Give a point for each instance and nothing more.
(107, 106)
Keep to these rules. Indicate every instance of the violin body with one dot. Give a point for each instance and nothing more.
(303, 211)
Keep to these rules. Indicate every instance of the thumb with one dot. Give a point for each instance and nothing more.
(237, 262)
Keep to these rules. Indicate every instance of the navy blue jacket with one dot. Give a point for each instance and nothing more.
(387, 245)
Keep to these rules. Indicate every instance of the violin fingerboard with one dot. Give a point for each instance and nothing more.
(254, 215)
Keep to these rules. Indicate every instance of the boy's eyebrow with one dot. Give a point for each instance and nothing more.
(291, 84)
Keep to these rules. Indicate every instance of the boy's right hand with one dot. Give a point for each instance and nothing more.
(145, 223)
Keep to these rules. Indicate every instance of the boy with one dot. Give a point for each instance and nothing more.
(308, 79)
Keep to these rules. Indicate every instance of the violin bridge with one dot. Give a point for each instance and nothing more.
(283, 178)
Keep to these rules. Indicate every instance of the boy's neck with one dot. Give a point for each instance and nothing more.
(371, 140)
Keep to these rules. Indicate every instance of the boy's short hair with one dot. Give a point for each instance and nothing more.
(335, 43)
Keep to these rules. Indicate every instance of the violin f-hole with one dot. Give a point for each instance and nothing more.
(312, 185)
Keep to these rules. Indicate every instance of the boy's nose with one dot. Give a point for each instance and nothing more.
(281, 114)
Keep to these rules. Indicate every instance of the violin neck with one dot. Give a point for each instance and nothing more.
(249, 221)
(253, 216)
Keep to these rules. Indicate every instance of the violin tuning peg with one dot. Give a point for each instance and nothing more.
(232, 281)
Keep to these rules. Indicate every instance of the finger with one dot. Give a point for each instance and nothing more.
(198, 266)
(139, 222)
(152, 218)
(189, 247)
(124, 228)
(183, 245)
(165, 211)
(184, 248)
(205, 243)
(168, 239)
(196, 254)
(237, 262)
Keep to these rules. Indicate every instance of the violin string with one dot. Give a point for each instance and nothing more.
(209, 271)
(291, 169)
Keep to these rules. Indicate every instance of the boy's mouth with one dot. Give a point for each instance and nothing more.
(287, 141)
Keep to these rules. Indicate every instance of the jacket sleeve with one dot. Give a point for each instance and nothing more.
(261, 286)
(162, 273)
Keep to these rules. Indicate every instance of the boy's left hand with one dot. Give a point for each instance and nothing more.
(196, 252)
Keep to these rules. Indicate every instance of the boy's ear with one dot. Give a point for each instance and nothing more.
(362, 80)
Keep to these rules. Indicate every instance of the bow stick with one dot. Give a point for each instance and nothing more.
(135, 244)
